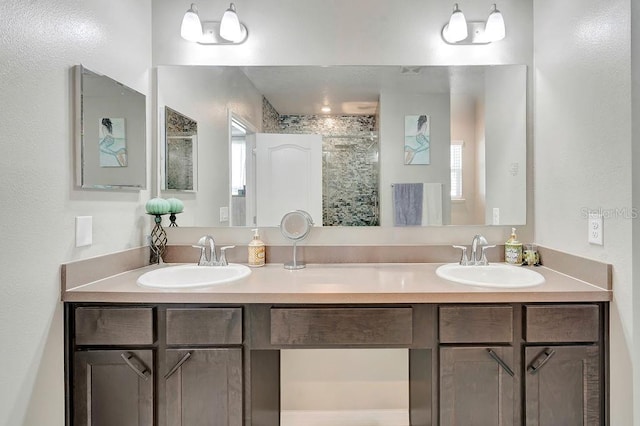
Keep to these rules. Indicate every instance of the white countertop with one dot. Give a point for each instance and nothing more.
(395, 283)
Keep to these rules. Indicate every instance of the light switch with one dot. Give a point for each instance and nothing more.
(224, 214)
(84, 231)
(496, 216)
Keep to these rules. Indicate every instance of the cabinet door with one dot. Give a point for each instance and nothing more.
(204, 387)
(563, 386)
(113, 388)
(476, 386)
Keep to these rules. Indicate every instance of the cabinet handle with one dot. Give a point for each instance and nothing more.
(144, 374)
(500, 361)
(178, 365)
(533, 368)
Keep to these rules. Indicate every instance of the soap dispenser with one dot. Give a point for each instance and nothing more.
(256, 250)
(513, 249)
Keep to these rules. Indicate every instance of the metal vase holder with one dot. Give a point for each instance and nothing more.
(158, 240)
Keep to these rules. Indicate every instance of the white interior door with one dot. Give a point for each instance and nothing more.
(288, 176)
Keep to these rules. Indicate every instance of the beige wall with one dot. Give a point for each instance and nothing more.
(582, 155)
(40, 43)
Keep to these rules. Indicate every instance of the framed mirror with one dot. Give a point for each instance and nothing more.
(110, 127)
(475, 173)
(180, 152)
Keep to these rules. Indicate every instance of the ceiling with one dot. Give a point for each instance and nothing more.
(355, 90)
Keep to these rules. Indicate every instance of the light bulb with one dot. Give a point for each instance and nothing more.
(494, 29)
(191, 28)
(230, 25)
(456, 30)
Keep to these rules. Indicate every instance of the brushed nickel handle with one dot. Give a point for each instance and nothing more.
(534, 368)
(144, 374)
(178, 365)
(499, 360)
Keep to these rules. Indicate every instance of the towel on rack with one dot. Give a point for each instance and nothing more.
(432, 204)
(407, 204)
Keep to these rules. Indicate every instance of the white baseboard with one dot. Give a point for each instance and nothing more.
(344, 418)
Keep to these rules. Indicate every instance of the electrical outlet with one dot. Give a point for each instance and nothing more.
(595, 229)
(496, 216)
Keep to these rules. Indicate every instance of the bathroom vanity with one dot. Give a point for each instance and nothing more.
(212, 355)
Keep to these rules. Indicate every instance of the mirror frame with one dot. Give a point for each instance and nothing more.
(138, 161)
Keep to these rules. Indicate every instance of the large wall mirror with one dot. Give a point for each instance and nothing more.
(110, 126)
(356, 145)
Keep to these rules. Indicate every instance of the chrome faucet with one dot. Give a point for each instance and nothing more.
(478, 241)
(208, 242)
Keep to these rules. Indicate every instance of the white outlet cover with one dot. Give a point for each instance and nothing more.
(595, 229)
(84, 231)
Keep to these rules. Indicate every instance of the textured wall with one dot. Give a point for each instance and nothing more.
(582, 155)
(349, 164)
(40, 42)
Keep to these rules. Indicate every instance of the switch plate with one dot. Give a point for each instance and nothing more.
(84, 231)
(595, 229)
(224, 214)
(496, 216)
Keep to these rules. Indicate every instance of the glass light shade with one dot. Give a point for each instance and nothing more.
(230, 25)
(191, 28)
(457, 28)
(494, 29)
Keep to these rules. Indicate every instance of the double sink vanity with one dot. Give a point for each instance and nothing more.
(487, 353)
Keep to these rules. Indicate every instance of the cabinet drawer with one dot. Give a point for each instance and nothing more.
(204, 326)
(476, 324)
(341, 326)
(561, 323)
(114, 326)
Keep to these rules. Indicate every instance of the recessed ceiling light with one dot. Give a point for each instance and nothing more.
(325, 109)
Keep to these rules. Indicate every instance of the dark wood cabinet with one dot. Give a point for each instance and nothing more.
(563, 386)
(477, 386)
(204, 387)
(113, 388)
(539, 364)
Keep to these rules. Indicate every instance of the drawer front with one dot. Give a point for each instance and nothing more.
(114, 326)
(204, 326)
(476, 324)
(341, 326)
(561, 323)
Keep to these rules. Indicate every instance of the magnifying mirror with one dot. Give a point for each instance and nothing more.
(295, 226)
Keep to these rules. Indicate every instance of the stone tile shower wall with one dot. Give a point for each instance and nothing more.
(349, 162)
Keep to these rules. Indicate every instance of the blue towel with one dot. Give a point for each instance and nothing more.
(407, 204)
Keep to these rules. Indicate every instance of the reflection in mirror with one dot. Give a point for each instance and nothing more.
(476, 137)
(110, 131)
(180, 171)
(295, 226)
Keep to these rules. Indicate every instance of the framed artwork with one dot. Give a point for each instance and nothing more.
(417, 139)
(113, 143)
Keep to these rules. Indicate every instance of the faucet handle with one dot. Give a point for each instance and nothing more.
(223, 255)
(464, 261)
(483, 259)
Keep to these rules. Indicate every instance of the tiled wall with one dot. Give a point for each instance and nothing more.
(349, 162)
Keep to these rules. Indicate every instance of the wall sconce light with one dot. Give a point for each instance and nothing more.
(459, 31)
(229, 30)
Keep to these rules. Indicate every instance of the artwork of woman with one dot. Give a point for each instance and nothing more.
(113, 150)
(416, 139)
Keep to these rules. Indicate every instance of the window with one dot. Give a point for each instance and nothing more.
(456, 170)
(238, 158)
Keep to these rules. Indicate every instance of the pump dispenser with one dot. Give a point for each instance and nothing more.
(256, 250)
(513, 249)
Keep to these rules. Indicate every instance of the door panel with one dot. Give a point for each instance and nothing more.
(288, 176)
(562, 386)
(206, 388)
(475, 389)
(112, 391)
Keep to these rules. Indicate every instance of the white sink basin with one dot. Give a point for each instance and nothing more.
(189, 276)
(492, 275)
